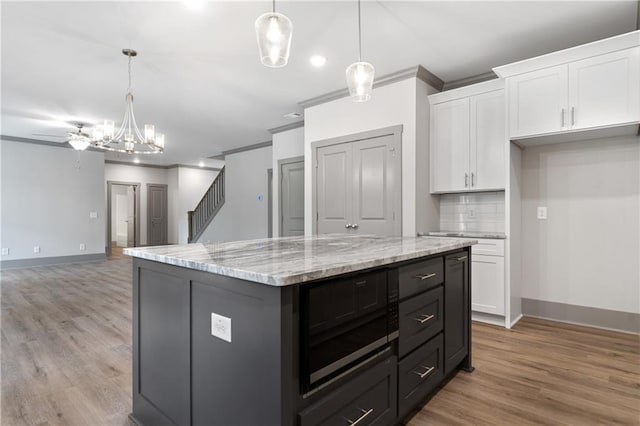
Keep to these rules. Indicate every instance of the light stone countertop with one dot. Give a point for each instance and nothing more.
(293, 260)
(463, 234)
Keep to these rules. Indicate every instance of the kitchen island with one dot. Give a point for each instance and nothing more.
(274, 331)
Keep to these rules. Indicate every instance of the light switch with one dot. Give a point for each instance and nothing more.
(221, 327)
(36, 249)
(542, 213)
(5, 251)
(93, 215)
(82, 247)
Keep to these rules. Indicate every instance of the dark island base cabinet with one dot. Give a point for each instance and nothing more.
(182, 375)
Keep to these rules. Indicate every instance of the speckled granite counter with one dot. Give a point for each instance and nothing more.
(454, 234)
(292, 260)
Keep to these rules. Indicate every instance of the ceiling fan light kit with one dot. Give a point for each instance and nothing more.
(360, 74)
(274, 32)
(128, 138)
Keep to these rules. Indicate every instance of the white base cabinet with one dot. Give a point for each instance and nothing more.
(488, 277)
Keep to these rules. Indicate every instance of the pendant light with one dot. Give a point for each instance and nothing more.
(360, 74)
(274, 31)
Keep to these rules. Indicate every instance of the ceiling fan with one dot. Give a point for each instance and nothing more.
(79, 139)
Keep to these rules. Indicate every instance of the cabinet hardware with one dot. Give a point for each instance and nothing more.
(466, 180)
(426, 373)
(562, 117)
(460, 259)
(424, 318)
(366, 413)
(348, 226)
(473, 179)
(482, 261)
(426, 276)
(573, 116)
(354, 226)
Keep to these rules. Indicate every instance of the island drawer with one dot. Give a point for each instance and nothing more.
(419, 374)
(420, 276)
(369, 399)
(421, 318)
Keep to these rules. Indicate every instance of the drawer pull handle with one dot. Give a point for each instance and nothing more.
(426, 276)
(460, 259)
(424, 318)
(426, 373)
(366, 413)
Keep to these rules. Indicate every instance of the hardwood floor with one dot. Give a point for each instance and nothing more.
(66, 360)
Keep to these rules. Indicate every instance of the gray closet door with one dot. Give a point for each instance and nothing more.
(292, 199)
(334, 188)
(376, 192)
(131, 216)
(157, 223)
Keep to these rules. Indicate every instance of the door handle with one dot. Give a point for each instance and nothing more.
(348, 226)
(354, 226)
(466, 180)
(573, 116)
(562, 113)
(473, 179)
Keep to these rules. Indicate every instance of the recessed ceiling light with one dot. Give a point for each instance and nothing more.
(293, 115)
(195, 4)
(318, 60)
(136, 160)
(201, 164)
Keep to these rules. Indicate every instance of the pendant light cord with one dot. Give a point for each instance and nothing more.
(274, 6)
(129, 89)
(359, 35)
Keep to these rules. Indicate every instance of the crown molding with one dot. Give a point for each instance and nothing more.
(469, 80)
(286, 127)
(44, 143)
(158, 166)
(242, 149)
(418, 72)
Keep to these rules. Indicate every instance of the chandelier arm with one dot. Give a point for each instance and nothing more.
(125, 120)
(135, 127)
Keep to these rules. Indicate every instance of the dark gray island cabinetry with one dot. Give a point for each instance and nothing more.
(325, 330)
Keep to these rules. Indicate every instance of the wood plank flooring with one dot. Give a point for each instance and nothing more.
(66, 360)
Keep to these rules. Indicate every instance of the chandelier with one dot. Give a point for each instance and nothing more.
(128, 138)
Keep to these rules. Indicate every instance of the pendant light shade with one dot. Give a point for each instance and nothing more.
(360, 74)
(360, 81)
(274, 31)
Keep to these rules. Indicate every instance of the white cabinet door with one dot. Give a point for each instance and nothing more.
(538, 102)
(488, 141)
(450, 146)
(605, 90)
(487, 284)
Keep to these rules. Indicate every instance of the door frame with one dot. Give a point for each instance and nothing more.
(395, 131)
(136, 211)
(269, 202)
(166, 208)
(282, 162)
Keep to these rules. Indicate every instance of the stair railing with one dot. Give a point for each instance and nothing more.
(210, 204)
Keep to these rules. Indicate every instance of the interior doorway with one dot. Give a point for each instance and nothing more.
(291, 196)
(123, 218)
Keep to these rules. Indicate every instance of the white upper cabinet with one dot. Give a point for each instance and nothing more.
(487, 141)
(605, 90)
(538, 102)
(450, 145)
(594, 87)
(467, 138)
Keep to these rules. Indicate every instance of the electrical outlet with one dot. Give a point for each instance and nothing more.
(82, 247)
(5, 251)
(542, 213)
(36, 249)
(221, 327)
(93, 215)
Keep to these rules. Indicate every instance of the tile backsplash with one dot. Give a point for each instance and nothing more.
(472, 212)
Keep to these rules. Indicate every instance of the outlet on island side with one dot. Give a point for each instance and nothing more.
(542, 213)
(221, 327)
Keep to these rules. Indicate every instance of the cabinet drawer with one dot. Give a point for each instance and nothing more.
(488, 247)
(420, 276)
(421, 318)
(419, 374)
(370, 398)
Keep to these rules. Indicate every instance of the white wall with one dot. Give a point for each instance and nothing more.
(192, 184)
(143, 176)
(289, 144)
(46, 196)
(390, 105)
(172, 195)
(243, 215)
(587, 252)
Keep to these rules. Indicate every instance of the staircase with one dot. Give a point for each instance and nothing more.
(210, 204)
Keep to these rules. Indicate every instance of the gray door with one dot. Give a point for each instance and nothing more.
(292, 198)
(376, 168)
(358, 186)
(131, 216)
(157, 224)
(334, 188)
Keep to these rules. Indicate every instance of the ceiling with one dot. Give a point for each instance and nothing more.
(198, 77)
